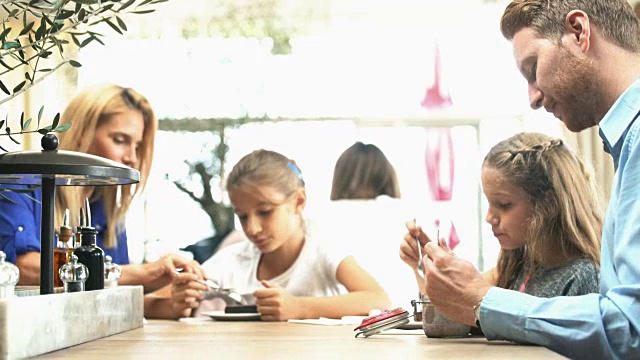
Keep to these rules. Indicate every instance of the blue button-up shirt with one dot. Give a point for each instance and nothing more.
(20, 226)
(594, 326)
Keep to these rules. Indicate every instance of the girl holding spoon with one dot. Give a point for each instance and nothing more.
(544, 211)
(289, 274)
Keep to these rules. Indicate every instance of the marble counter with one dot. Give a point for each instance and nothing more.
(33, 325)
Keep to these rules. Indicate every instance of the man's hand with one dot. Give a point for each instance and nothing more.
(453, 285)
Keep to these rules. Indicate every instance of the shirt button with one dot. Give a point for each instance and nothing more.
(20, 228)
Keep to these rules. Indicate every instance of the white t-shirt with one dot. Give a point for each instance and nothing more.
(312, 274)
(372, 230)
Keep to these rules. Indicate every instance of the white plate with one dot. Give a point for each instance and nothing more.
(222, 316)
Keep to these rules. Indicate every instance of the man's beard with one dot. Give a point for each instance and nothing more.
(577, 92)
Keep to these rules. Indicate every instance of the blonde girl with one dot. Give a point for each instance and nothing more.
(287, 273)
(545, 212)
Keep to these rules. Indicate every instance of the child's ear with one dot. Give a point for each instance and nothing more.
(301, 200)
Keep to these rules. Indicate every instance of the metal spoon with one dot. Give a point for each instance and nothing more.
(216, 291)
(420, 269)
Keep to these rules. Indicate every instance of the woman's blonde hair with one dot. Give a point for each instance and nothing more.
(265, 168)
(566, 217)
(364, 172)
(87, 111)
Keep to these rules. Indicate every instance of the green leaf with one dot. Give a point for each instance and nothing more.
(145, 2)
(26, 124)
(113, 26)
(4, 89)
(121, 23)
(127, 4)
(4, 33)
(12, 139)
(6, 65)
(42, 29)
(45, 70)
(3, 195)
(62, 128)
(75, 40)
(86, 41)
(86, 2)
(31, 197)
(2, 123)
(75, 63)
(81, 15)
(56, 120)
(22, 121)
(19, 190)
(43, 131)
(105, 8)
(27, 28)
(10, 45)
(143, 11)
(28, 77)
(39, 115)
(65, 14)
(19, 86)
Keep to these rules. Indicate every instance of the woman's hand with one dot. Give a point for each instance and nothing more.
(163, 271)
(276, 304)
(186, 293)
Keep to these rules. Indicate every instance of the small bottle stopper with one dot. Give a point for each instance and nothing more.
(9, 276)
(73, 275)
(112, 272)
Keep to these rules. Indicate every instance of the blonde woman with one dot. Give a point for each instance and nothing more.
(116, 123)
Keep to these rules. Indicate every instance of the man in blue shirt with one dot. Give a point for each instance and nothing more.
(581, 60)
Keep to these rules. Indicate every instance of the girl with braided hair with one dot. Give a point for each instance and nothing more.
(545, 212)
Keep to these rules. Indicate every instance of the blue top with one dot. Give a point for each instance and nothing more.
(20, 226)
(594, 326)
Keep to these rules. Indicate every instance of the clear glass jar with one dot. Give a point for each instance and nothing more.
(112, 272)
(9, 276)
(73, 275)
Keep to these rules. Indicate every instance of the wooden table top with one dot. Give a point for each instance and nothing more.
(162, 339)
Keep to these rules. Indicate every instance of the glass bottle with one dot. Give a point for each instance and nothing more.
(92, 257)
(73, 275)
(112, 272)
(9, 276)
(64, 249)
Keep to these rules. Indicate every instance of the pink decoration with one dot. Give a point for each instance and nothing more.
(438, 159)
(434, 98)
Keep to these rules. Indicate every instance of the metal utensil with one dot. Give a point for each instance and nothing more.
(420, 269)
(87, 212)
(217, 291)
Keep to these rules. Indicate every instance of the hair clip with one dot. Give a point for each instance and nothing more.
(295, 170)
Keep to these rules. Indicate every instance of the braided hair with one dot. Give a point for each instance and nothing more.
(566, 210)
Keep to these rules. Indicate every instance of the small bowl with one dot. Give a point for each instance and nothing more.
(436, 325)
